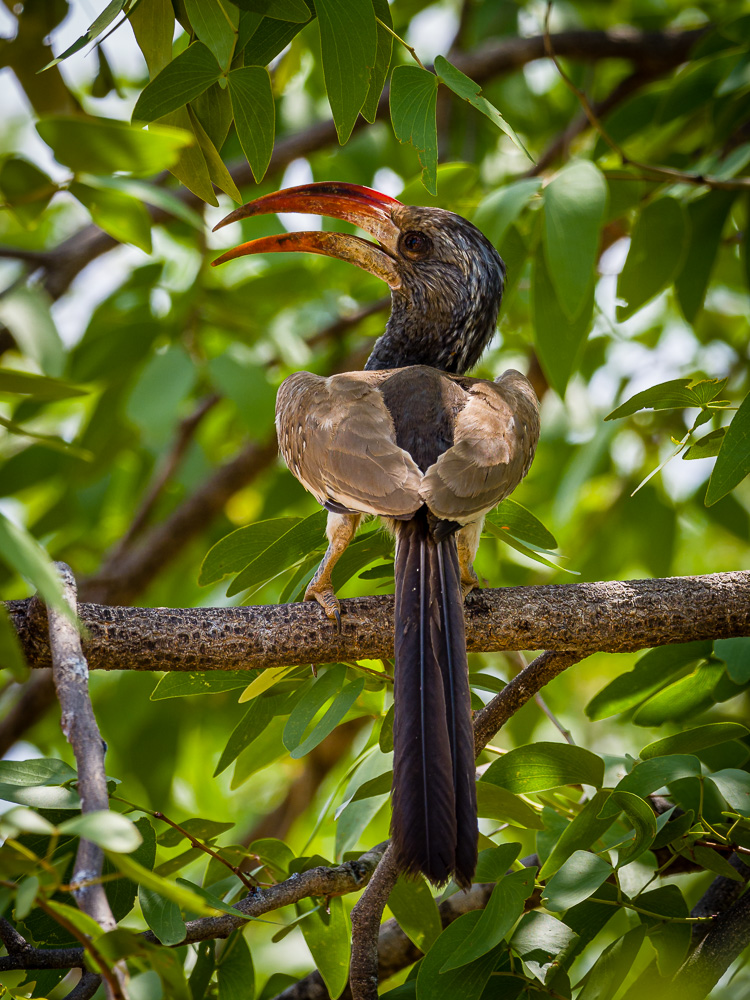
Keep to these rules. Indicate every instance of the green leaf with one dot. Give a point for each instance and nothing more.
(511, 516)
(125, 218)
(329, 685)
(383, 53)
(540, 932)
(736, 654)
(110, 830)
(271, 37)
(500, 209)
(191, 167)
(239, 548)
(682, 698)
(706, 217)
(213, 109)
(651, 775)
(575, 202)
(348, 41)
(149, 194)
(327, 937)
(253, 722)
(649, 674)
(695, 739)
(284, 10)
(95, 29)
(36, 771)
(98, 145)
(733, 460)
(162, 916)
(673, 395)
(734, 786)
(706, 447)
(504, 907)
(560, 341)
(657, 247)
(466, 982)
(23, 554)
(413, 107)
(26, 189)
(643, 819)
(586, 828)
(187, 76)
(470, 91)
(153, 27)
(494, 802)
(712, 861)
(196, 826)
(36, 386)
(181, 684)
(608, 972)
(297, 542)
(670, 939)
(493, 863)
(41, 796)
(183, 897)
(412, 904)
(576, 880)
(80, 920)
(26, 313)
(11, 654)
(234, 970)
(254, 115)
(540, 766)
(217, 170)
(215, 22)
(162, 385)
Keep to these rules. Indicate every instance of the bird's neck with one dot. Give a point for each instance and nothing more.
(431, 330)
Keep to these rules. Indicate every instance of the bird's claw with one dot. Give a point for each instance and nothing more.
(328, 602)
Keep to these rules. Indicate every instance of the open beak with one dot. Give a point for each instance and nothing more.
(365, 208)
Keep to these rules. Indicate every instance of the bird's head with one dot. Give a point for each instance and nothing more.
(446, 278)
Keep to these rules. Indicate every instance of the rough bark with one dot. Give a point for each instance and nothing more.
(582, 618)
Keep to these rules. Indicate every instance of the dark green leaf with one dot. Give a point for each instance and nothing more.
(682, 698)
(98, 145)
(559, 339)
(348, 41)
(657, 247)
(575, 202)
(733, 460)
(641, 815)
(471, 92)
(203, 970)
(37, 386)
(706, 216)
(467, 982)
(36, 771)
(500, 209)
(651, 775)
(271, 37)
(510, 515)
(23, 554)
(712, 861)
(122, 216)
(736, 654)
(673, 395)
(95, 29)
(706, 447)
(494, 802)
(582, 833)
(575, 880)
(382, 61)
(150, 194)
(153, 27)
(606, 976)
(215, 22)
(539, 932)
(162, 916)
(734, 786)
(187, 76)
(284, 10)
(494, 862)
(217, 169)
(252, 724)
(298, 541)
(648, 675)
(11, 654)
(234, 969)
(670, 939)
(540, 766)
(196, 826)
(25, 189)
(254, 115)
(328, 686)
(413, 103)
(239, 548)
(191, 167)
(412, 904)
(695, 739)
(180, 684)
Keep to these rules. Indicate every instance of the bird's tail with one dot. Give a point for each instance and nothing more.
(434, 826)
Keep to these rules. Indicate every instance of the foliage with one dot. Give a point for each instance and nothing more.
(125, 391)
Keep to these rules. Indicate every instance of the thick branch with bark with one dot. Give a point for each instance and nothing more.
(617, 617)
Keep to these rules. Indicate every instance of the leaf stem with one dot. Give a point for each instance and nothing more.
(405, 44)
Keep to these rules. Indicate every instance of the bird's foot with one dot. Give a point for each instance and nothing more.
(469, 580)
(327, 599)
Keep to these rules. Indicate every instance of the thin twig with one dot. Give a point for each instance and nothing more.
(247, 880)
(679, 176)
(565, 733)
(405, 44)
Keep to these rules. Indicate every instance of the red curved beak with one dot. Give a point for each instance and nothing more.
(369, 210)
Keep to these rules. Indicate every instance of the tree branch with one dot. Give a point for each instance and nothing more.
(71, 676)
(366, 917)
(583, 618)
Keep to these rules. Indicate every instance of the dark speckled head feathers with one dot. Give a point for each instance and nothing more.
(446, 278)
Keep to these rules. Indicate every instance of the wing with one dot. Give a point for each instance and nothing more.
(494, 440)
(338, 439)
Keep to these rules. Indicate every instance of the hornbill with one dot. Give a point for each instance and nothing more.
(429, 450)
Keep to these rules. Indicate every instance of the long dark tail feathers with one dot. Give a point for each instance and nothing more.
(434, 826)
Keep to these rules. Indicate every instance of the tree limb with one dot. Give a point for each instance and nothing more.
(616, 617)
(366, 917)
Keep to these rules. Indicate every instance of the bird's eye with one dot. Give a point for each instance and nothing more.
(415, 244)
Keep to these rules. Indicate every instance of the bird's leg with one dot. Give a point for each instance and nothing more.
(340, 530)
(467, 540)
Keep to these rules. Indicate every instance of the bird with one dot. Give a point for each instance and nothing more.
(430, 450)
